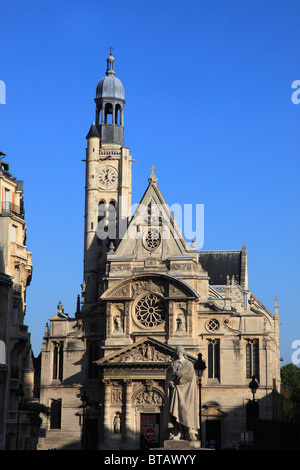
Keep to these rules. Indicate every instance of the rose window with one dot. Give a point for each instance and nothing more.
(150, 311)
(213, 325)
(152, 239)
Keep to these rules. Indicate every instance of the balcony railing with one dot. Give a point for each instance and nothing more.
(11, 208)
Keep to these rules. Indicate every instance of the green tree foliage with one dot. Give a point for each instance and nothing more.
(36, 409)
(290, 379)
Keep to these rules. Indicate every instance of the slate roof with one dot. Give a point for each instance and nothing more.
(93, 132)
(219, 264)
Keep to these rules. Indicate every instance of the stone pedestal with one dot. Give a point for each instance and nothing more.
(181, 445)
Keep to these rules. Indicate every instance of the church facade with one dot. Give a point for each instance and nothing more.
(145, 292)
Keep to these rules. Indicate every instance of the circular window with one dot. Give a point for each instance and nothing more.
(213, 325)
(152, 239)
(150, 311)
(93, 327)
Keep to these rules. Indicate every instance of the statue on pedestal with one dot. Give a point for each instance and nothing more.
(182, 398)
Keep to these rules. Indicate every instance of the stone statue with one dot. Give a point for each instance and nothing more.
(182, 399)
(118, 324)
(117, 423)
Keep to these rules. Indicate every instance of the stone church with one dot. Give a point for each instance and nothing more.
(144, 292)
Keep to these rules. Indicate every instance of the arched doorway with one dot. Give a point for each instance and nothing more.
(149, 417)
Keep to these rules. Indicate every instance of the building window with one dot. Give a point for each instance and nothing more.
(213, 356)
(151, 311)
(152, 239)
(213, 325)
(252, 359)
(55, 415)
(14, 229)
(58, 360)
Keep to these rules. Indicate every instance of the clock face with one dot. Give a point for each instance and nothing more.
(108, 177)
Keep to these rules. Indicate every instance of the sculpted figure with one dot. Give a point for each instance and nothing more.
(117, 423)
(182, 398)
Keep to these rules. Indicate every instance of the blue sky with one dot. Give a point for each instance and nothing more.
(208, 102)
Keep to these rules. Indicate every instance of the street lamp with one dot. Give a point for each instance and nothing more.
(252, 411)
(200, 367)
(85, 408)
(254, 386)
(19, 394)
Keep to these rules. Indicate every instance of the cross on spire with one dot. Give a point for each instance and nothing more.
(110, 48)
(152, 176)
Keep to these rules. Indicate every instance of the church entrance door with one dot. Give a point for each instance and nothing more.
(213, 433)
(149, 430)
(91, 437)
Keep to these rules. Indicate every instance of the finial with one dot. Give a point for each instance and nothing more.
(152, 178)
(110, 48)
(276, 308)
(193, 245)
(110, 70)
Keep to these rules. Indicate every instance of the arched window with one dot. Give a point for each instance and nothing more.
(99, 115)
(58, 352)
(101, 210)
(214, 359)
(108, 113)
(252, 359)
(118, 115)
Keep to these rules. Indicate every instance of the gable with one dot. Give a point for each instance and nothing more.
(147, 351)
(152, 229)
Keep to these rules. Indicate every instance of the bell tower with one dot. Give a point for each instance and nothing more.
(108, 182)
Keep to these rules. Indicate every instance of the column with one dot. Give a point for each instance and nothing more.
(129, 431)
(106, 414)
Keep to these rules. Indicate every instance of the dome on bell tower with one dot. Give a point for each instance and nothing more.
(110, 86)
(110, 100)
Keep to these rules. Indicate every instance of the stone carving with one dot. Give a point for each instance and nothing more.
(140, 286)
(182, 400)
(180, 324)
(152, 284)
(117, 423)
(116, 395)
(149, 398)
(151, 262)
(144, 353)
(60, 307)
(174, 291)
(123, 291)
(118, 327)
(182, 267)
(120, 267)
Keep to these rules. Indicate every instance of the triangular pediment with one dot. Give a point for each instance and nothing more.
(153, 229)
(147, 350)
